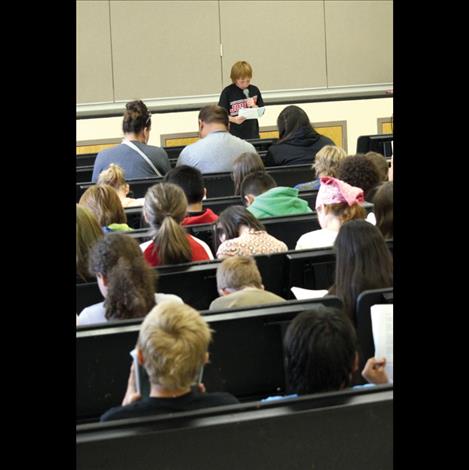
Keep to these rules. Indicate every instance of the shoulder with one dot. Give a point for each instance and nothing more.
(228, 248)
(92, 314)
(159, 298)
(219, 398)
(154, 150)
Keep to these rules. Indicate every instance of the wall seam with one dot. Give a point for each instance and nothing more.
(325, 41)
(220, 45)
(112, 55)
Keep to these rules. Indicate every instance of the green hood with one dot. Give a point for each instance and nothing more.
(277, 202)
(119, 228)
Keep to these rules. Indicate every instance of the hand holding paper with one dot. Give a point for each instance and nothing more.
(251, 113)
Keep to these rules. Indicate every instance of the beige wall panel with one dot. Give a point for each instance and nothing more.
(165, 48)
(282, 40)
(94, 68)
(359, 40)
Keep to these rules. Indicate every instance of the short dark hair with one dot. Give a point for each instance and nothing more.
(360, 172)
(136, 117)
(232, 218)
(320, 347)
(257, 183)
(214, 113)
(191, 181)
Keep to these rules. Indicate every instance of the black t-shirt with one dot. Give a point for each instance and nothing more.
(232, 99)
(194, 400)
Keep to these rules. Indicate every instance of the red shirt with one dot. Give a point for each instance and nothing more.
(207, 217)
(198, 252)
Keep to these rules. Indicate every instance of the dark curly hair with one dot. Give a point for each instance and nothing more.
(320, 347)
(360, 172)
(131, 282)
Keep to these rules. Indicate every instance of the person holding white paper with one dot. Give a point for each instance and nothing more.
(321, 353)
(241, 95)
(172, 347)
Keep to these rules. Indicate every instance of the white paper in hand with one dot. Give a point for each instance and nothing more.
(382, 326)
(301, 293)
(251, 113)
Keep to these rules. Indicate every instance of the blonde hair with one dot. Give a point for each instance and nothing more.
(174, 340)
(165, 207)
(327, 160)
(344, 212)
(113, 175)
(240, 69)
(104, 202)
(238, 272)
(88, 233)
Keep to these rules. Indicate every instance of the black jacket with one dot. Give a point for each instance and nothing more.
(300, 149)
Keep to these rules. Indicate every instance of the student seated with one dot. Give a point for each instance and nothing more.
(239, 284)
(172, 347)
(321, 353)
(125, 280)
(217, 148)
(361, 172)
(164, 209)
(241, 234)
(383, 209)
(336, 203)
(298, 141)
(190, 180)
(88, 233)
(325, 164)
(265, 199)
(105, 204)
(114, 176)
(362, 262)
(246, 163)
(134, 155)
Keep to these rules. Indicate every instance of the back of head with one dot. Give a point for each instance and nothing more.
(381, 164)
(384, 209)
(327, 160)
(88, 232)
(113, 175)
(257, 183)
(165, 207)
(290, 120)
(189, 179)
(174, 340)
(238, 272)
(240, 69)
(363, 261)
(358, 171)
(246, 163)
(339, 199)
(136, 117)
(131, 282)
(232, 218)
(104, 202)
(320, 348)
(214, 114)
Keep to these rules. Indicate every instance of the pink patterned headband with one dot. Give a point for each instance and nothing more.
(334, 191)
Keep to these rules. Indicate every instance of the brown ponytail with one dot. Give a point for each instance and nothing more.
(165, 207)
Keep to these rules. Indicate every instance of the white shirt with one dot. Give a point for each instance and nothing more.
(316, 239)
(96, 313)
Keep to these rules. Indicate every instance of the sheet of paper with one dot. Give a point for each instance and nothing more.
(382, 326)
(251, 113)
(301, 293)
